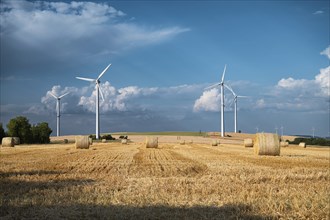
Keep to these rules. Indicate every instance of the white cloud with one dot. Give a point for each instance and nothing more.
(292, 84)
(131, 98)
(209, 101)
(323, 80)
(318, 12)
(326, 52)
(318, 87)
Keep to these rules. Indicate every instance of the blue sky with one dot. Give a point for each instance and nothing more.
(163, 55)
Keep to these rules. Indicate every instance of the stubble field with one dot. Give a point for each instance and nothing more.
(191, 181)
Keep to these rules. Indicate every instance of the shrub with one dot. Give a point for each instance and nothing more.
(108, 137)
(93, 136)
(2, 133)
(20, 127)
(41, 133)
(311, 141)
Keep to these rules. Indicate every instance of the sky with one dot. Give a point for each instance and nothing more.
(163, 55)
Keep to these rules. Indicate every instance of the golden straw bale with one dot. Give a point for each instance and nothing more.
(267, 144)
(8, 142)
(151, 142)
(123, 141)
(302, 144)
(182, 142)
(284, 143)
(82, 142)
(214, 143)
(104, 140)
(248, 142)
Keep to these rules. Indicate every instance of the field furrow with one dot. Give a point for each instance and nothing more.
(163, 163)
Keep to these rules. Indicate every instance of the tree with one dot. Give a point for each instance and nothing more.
(2, 133)
(41, 133)
(20, 127)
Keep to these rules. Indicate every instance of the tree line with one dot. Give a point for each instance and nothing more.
(28, 134)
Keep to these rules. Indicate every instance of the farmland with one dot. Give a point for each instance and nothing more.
(191, 181)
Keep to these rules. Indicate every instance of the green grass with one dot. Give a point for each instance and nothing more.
(169, 133)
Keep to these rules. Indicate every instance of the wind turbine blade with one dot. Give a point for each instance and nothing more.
(231, 103)
(53, 95)
(103, 71)
(242, 96)
(86, 79)
(223, 74)
(230, 89)
(63, 95)
(100, 90)
(213, 86)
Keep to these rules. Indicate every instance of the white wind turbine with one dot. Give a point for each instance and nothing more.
(58, 107)
(235, 104)
(98, 90)
(222, 107)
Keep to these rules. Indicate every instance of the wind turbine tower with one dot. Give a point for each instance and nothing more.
(222, 107)
(97, 106)
(235, 105)
(58, 107)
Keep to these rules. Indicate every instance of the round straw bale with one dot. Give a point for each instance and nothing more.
(284, 144)
(90, 141)
(182, 142)
(66, 141)
(8, 142)
(267, 144)
(16, 141)
(151, 142)
(214, 143)
(123, 141)
(302, 144)
(104, 140)
(248, 142)
(82, 142)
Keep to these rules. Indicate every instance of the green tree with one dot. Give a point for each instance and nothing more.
(2, 133)
(41, 133)
(20, 127)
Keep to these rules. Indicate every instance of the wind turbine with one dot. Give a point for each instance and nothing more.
(282, 128)
(222, 108)
(58, 107)
(235, 104)
(98, 90)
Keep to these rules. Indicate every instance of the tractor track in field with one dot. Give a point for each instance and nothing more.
(163, 163)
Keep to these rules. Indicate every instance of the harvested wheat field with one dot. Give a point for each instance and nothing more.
(173, 181)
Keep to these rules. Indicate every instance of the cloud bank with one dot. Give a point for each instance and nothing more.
(54, 32)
